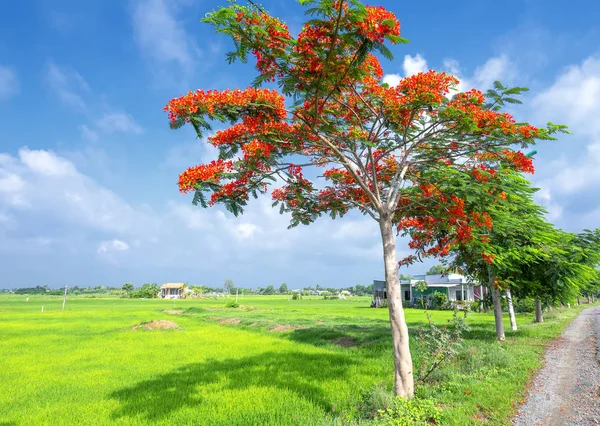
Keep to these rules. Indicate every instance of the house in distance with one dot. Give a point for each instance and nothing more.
(172, 291)
(456, 286)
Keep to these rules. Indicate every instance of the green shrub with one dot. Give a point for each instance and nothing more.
(525, 305)
(475, 306)
(374, 400)
(146, 291)
(296, 296)
(440, 300)
(410, 412)
(440, 343)
(422, 303)
(232, 304)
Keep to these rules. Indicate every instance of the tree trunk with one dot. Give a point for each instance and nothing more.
(578, 302)
(404, 386)
(539, 317)
(497, 306)
(511, 311)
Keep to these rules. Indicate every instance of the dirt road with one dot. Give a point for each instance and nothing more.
(566, 390)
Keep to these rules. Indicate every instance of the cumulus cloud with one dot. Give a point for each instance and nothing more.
(498, 68)
(411, 65)
(46, 163)
(9, 83)
(569, 183)
(86, 223)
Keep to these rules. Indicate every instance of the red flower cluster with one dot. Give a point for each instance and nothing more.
(265, 101)
(378, 23)
(405, 102)
(482, 173)
(256, 149)
(488, 257)
(203, 173)
(521, 161)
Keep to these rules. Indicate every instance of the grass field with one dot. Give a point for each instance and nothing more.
(271, 361)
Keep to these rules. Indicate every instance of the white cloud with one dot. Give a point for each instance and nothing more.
(544, 198)
(193, 217)
(414, 64)
(118, 123)
(112, 246)
(88, 134)
(356, 229)
(574, 98)
(10, 182)
(392, 79)
(68, 85)
(46, 163)
(246, 230)
(85, 222)
(161, 36)
(411, 65)
(497, 68)
(9, 83)
(570, 181)
(51, 185)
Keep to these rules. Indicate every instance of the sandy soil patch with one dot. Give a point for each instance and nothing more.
(156, 325)
(346, 342)
(229, 321)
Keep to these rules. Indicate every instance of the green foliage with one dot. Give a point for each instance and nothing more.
(421, 286)
(269, 290)
(146, 291)
(440, 344)
(128, 287)
(524, 305)
(374, 400)
(228, 286)
(283, 289)
(440, 300)
(330, 296)
(296, 296)
(411, 412)
(232, 304)
(475, 306)
(436, 270)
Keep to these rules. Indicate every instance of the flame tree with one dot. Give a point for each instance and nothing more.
(408, 156)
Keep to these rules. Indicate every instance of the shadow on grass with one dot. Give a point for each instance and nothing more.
(322, 335)
(298, 372)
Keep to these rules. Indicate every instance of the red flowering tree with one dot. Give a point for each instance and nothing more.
(405, 155)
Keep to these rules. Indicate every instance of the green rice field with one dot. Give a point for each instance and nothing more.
(273, 361)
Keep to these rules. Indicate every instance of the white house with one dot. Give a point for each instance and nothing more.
(456, 286)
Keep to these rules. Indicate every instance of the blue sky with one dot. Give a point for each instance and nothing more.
(88, 165)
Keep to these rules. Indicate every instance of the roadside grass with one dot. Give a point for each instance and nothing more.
(270, 361)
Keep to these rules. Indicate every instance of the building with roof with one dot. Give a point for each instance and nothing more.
(456, 287)
(172, 290)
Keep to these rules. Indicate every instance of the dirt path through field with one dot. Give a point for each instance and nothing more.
(566, 390)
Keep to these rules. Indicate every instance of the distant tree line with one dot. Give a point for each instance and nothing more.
(152, 290)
